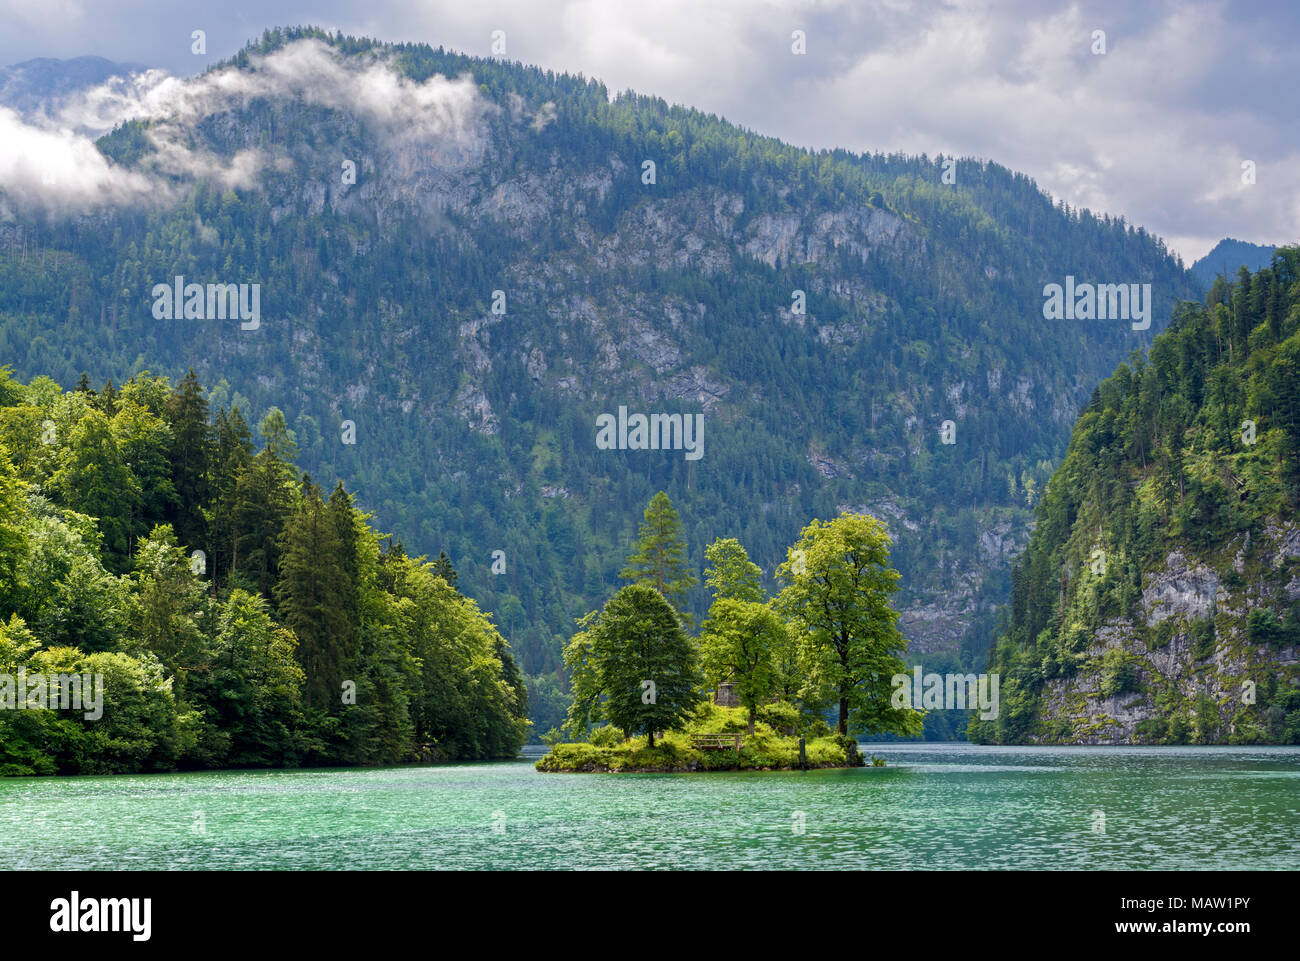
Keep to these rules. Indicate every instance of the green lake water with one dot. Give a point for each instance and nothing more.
(947, 806)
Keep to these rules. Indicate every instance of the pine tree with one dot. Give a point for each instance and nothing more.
(444, 569)
(191, 454)
(312, 593)
(107, 399)
(232, 457)
(343, 517)
(263, 502)
(659, 559)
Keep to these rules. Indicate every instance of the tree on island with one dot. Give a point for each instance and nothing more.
(738, 643)
(633, 665)
(742, 638)
(837, 595)
(659, 558)
(731, 573)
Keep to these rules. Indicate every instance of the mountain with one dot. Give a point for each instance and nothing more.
(1229, 256)
(1159, 598)
(28, 86)
(462, 263)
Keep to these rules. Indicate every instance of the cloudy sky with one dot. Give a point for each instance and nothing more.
(1156, 129)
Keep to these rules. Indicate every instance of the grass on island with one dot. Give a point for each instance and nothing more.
(767, 749)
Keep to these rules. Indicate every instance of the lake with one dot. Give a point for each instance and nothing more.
(946, 806)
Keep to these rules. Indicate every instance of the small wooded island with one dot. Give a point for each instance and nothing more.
(643, 686)
(714, 739)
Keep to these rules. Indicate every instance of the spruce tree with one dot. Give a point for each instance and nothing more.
(659, 559)
(191, 453)
(262, 504)
(232, 457)
(312, 593)
(444, 569)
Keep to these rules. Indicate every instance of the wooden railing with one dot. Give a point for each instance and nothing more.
(715, 742)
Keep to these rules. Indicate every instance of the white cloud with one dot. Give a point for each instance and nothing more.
(62, 170)
(1145, 131)
(51, 160)
(1154, 130)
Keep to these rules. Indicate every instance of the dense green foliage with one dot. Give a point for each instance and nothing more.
(930, 310)
(764, 747)
(643, 662)
(659, 559)
(280, 630)
(745, 643)
(829, 640)
(1194, 449)
(838, 603)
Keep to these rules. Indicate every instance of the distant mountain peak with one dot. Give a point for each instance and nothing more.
(1230, 255)
(28, 86)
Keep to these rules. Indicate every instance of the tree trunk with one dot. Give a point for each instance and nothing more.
(652, 737)
(844, 715)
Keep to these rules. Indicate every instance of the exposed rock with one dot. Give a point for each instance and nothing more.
(1180, 678)
(1184, 589)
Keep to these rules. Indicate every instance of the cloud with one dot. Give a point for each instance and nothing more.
(50, 159)
(1154, 130)
(62, 171)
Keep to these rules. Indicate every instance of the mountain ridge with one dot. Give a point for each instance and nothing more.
(1228, 256)
(921, 304)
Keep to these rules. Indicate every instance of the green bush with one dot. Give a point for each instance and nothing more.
(766, 749)
(607, 736)
(818, 728)
(1119, 673)
(780, 716)
(1160, 635)
(1203, 636)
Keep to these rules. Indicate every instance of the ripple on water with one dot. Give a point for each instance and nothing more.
(936, 806)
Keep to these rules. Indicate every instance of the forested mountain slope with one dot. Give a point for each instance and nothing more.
(325, 645)
(475, 430)
(1159, 598)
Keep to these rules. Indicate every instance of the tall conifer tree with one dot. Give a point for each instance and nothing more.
(659, 558)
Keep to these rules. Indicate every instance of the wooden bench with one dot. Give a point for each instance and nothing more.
(717, 742)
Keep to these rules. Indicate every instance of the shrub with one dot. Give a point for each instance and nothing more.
(607, 736)
(780, 716)
(818, 728)
(1203, 635)
(1119, 673)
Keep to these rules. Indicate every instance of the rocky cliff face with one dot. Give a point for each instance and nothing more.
(1158, 598)
(1190, 667)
